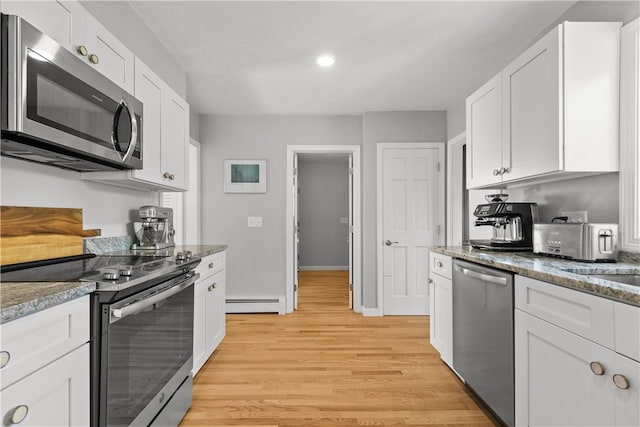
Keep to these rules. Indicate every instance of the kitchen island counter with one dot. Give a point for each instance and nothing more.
(572, 274)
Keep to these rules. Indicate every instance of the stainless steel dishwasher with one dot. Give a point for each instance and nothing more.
(483, 334)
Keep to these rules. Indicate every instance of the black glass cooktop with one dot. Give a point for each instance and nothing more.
(74, 268)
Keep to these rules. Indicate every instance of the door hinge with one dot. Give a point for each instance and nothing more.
(439, 229)
(295, 171)
(295, 287)
(350, 171)
(351, 286)
(438, 167)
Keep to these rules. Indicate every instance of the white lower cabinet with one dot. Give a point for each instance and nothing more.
(209, 309)
(56, 395)
(44, 367)
(441, 306)
(562, 378)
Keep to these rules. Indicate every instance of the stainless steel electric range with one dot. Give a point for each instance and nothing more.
(141, 332)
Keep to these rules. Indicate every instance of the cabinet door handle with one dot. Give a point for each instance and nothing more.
(5, 356)
(93, 58)
(439, 264)
(212, 287)
(429, 281)
(82, 50)
(496, 172)
(211, 265)
(621, 381)
(597, 368)
(19, 413)
(172, 177)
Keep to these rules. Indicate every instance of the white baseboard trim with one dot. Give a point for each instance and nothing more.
(324, 267)
(371, 312)
(256, 305)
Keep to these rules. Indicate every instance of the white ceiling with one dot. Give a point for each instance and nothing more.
(259, 57)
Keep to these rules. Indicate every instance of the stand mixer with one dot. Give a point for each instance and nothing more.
(154, 228)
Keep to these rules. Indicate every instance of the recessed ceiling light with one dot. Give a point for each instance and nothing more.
(325, 60)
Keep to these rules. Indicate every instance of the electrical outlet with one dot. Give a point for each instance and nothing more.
(254, 221)
(575, 216)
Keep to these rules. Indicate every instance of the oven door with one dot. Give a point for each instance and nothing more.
(147, 352)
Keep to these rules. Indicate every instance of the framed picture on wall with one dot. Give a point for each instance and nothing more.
(245, 176)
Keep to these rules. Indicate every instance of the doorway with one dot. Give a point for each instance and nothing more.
(353, 218)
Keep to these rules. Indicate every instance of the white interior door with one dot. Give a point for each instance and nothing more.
(296, 230)
(350, 234)
(411, 200)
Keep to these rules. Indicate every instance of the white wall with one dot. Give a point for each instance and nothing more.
(418, 126)
(256, 257)
(323, 200)
(104, 206)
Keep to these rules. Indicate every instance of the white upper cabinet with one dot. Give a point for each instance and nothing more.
(108, 55)
(175, 144)
(165, 138)
(558, 110)
(68, 23)
(484, 128)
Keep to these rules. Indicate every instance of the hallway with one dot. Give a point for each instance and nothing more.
(327, 366)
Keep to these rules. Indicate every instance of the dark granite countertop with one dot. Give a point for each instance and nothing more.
(18, 299)
(196, 250)
(571, 274)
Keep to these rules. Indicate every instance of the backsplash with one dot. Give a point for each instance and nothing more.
(101, 245)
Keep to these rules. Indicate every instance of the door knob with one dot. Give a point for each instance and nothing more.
(389, 242)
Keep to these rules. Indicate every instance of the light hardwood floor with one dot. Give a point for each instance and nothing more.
(327, 366)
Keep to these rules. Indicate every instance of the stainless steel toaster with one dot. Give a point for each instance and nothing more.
(579, 241)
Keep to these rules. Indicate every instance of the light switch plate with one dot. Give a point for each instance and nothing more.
(254, 221)
(575, 216)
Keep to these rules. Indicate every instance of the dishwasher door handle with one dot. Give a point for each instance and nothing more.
(481, 276)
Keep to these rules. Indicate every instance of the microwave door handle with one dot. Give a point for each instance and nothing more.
(139, 306)
(481, 276)
(134, 133)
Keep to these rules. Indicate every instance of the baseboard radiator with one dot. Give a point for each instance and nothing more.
(256, 305)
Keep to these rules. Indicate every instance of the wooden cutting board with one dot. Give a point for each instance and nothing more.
(33, 234)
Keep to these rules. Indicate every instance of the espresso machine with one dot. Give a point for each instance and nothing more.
(511, 222)
(154, 228)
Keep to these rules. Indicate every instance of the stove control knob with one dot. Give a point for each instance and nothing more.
(126, 271)
(111, 275)
(181, 256)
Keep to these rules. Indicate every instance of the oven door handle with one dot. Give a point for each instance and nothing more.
(139, 306)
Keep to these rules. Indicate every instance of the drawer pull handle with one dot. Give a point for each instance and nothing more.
(621, 381)
(212, 287)
(4, 358)
(19, 414)
(211, 265)
(93, 58)
(597, 368)
(82, 50)
(439, 264)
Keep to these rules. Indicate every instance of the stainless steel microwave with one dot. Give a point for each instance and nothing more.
(58, 110)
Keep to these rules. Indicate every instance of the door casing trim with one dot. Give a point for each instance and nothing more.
(354, 150)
